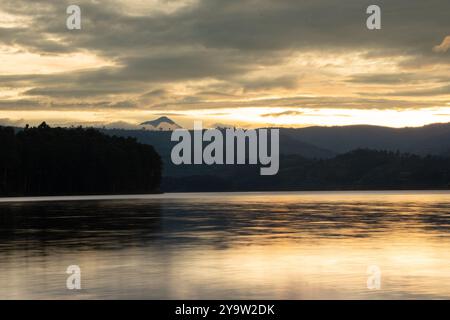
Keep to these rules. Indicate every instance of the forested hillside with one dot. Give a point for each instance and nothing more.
(60, 161)
(360, 169)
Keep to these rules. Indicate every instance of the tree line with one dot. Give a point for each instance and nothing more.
(361, 169)
(61, 161)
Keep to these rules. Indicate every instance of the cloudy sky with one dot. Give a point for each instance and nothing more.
(240, 62)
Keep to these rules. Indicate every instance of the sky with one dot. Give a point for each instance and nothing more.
(248, 63)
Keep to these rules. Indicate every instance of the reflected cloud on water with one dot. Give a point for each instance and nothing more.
(285, 245)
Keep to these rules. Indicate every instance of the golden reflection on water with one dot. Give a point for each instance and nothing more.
(231, 246)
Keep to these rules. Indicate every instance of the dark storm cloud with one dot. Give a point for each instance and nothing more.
(328, 102)
(135, 74)
(243, 25)
(386, 78)
(439, 91)
(71, 92)
(396, 78)
(29, 39)
(223, 41)
(264, 83)
(21, 104)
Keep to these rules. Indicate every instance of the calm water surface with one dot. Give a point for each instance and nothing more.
(297, 245)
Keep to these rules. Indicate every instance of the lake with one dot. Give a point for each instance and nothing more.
(286, 245)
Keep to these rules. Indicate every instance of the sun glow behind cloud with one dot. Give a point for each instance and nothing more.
(248, 117)
(16, 61)
(223, 63)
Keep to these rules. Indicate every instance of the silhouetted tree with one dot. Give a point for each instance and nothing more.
(50, 161)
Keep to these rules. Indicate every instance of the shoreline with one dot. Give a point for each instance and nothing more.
(178, 195)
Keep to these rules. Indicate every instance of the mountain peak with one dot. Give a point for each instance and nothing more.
(162, 124)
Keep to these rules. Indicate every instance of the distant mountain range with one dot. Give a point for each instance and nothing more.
(430, 139)
(322, 142)
(326, 142)
(297, 147)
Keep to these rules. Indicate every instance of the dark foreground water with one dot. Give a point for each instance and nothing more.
(228, 246)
